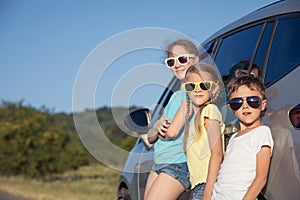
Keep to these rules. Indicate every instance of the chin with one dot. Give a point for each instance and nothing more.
(180, 76)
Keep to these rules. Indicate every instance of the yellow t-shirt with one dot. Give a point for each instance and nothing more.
(198, 151)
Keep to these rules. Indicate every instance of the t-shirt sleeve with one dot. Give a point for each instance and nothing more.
(262, 137)
(212, 112)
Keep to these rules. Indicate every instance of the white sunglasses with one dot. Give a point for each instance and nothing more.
(181, 59)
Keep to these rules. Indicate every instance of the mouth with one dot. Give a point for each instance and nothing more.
(246, 113)
(179, 69)
(198, 95)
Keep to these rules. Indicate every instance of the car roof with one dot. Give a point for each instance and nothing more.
(274, 9)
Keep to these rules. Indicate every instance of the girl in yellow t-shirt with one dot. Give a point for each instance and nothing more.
(203, 135)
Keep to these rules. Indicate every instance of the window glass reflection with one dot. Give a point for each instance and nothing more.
(236, 52)
(295, 116)
(285, 50)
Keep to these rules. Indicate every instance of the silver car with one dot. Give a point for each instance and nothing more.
(266, 43)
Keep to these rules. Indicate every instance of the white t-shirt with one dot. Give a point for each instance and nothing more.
(238, 169)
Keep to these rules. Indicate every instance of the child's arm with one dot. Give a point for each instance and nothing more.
(157, 131)
(164, 129)
(153, 134)
(215, 143)
(262, 167)
(178, 121)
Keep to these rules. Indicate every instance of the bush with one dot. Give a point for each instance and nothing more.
(37, 143)
(34, 144)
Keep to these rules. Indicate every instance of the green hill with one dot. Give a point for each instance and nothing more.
(36, 142)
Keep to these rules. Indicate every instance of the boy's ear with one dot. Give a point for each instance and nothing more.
(263, 104)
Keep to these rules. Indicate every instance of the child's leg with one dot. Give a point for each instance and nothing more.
(151, 178)
(164, 187)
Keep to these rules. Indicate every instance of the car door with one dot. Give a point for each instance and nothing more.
(272, 47)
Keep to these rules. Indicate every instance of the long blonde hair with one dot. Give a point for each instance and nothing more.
(217, 96)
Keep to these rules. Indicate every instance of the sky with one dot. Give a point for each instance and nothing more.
(68, 56)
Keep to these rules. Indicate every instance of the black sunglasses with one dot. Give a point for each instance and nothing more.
(252, 101)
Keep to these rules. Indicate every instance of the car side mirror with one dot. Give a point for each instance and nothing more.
(139, 121)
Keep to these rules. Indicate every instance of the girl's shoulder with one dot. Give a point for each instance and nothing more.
(179, 95)
(210, 108)
(212, 112)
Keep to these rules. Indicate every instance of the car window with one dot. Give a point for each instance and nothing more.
(236, 51)
(207, 52)
(285, 50)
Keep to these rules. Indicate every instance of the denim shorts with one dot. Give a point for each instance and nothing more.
(198, 191)
(178, 171)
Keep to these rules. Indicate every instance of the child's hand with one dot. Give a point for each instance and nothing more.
(162, 127)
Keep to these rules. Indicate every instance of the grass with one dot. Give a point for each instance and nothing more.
(91, 182)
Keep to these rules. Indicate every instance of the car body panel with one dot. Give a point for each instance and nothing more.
(284, 175)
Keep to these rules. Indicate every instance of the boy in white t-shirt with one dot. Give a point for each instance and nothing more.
(244, 170)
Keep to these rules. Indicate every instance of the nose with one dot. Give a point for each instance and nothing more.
(197, 88)
(177, 64)
(245, 104)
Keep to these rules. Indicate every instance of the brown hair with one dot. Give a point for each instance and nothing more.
(217, 96)
(253, 83)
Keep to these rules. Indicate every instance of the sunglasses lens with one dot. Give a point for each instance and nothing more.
(254, 101)
(235, 103)
(205, 86)
(170, 62)
(189, 87)
(183, 60)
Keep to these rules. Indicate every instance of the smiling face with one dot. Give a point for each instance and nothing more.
(180, 70)
(198, 96)
(248, 116)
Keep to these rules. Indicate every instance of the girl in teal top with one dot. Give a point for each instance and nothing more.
(169, 176)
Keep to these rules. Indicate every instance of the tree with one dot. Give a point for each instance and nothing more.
(34, 144)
